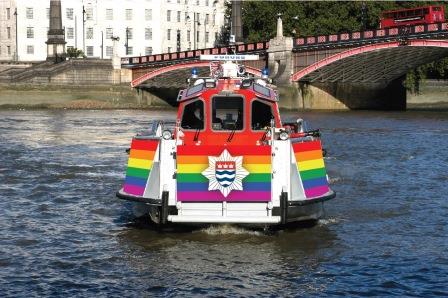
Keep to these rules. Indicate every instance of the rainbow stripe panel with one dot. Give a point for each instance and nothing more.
(139, 165)
(311, 167)
(192, 186)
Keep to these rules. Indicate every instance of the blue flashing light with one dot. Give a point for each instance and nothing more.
(265, 71)
(194, 71)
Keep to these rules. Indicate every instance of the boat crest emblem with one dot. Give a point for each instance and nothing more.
(225, 173)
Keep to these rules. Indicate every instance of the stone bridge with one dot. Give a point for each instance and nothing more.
(355, 70)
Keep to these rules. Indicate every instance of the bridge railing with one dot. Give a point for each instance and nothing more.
(194, 54)
(342, 39)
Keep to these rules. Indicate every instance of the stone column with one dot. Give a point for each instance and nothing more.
(280, 56)
(56, 34)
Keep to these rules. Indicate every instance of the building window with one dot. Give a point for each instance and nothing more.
(8, 32)
(8, 49)
(29, 13)
(148, 14)
(89, 33)
(206, 36)
(197, 2)
(214, 20)
(168, 34)
(109, 51)
(130, 33)
(129, 50)
(186, 2)
(70, 32)
(128, 14)
(178, 16)
(188, 36)
(109, 14)
(186, 16)
(168, 15)
(197, 36)
(8, 13)
(148, 33)
(30, 32)
(109, 33)
(169, 49)
(69, 12)
(89, 50)
(207, 3)
(148, 51)
(48, 13)
(89, 14)
(206, 18)
(30, 50)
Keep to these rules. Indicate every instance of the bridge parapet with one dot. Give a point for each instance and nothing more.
(348, 39)
(186, 56)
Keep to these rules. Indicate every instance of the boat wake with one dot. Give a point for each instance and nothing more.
(229, 230)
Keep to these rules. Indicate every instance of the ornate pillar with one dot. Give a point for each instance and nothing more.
(56, 34)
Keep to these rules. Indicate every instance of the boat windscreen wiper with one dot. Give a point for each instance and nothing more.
(196, 134)
(232, 133)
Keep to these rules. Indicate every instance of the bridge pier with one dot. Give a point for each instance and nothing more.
(343, 96)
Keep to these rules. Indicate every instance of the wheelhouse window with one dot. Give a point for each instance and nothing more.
(227, 113)
(261, 115)
(193, 117)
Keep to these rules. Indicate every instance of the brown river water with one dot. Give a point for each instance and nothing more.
(63, 232)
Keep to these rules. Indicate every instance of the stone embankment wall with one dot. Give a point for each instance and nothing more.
(432, 94)
(80, 83)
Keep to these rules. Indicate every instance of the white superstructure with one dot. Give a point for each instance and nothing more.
(144, 27)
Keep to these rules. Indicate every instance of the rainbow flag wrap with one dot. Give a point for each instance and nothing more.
(311, 167)
(193, 186)
(139, 165)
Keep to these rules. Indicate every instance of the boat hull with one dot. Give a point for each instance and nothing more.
(292, 212)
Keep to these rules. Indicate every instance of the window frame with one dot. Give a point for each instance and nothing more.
(270, 104)
(183, 113)
(243, 113)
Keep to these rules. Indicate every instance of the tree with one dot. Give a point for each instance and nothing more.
(75, 53)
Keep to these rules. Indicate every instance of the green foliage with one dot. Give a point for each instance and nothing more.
(75, 53)
(307, 18)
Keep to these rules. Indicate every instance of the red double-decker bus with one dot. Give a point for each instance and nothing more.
(412, 16)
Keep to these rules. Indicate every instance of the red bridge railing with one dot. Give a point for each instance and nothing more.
(194, 55)
(378, 35)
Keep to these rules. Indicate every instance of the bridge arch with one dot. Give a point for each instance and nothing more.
(374, 62)
(174, 67)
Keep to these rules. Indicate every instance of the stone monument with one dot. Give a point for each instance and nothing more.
(56, 34)
(280, 56)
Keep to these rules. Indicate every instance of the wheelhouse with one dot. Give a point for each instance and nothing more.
(223, 113)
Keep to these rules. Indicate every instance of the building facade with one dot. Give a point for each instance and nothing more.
(144, 27)
(7, 30)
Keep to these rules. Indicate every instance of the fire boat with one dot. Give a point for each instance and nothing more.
(228, 158)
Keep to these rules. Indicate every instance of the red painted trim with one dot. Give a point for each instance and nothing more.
(364, 49)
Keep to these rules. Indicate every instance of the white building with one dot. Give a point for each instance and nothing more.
(7, 30)
(144, 26)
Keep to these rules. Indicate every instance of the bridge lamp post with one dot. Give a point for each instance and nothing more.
(83, 29)
(16, 55)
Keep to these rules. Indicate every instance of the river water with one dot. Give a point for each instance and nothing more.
(63, 232)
